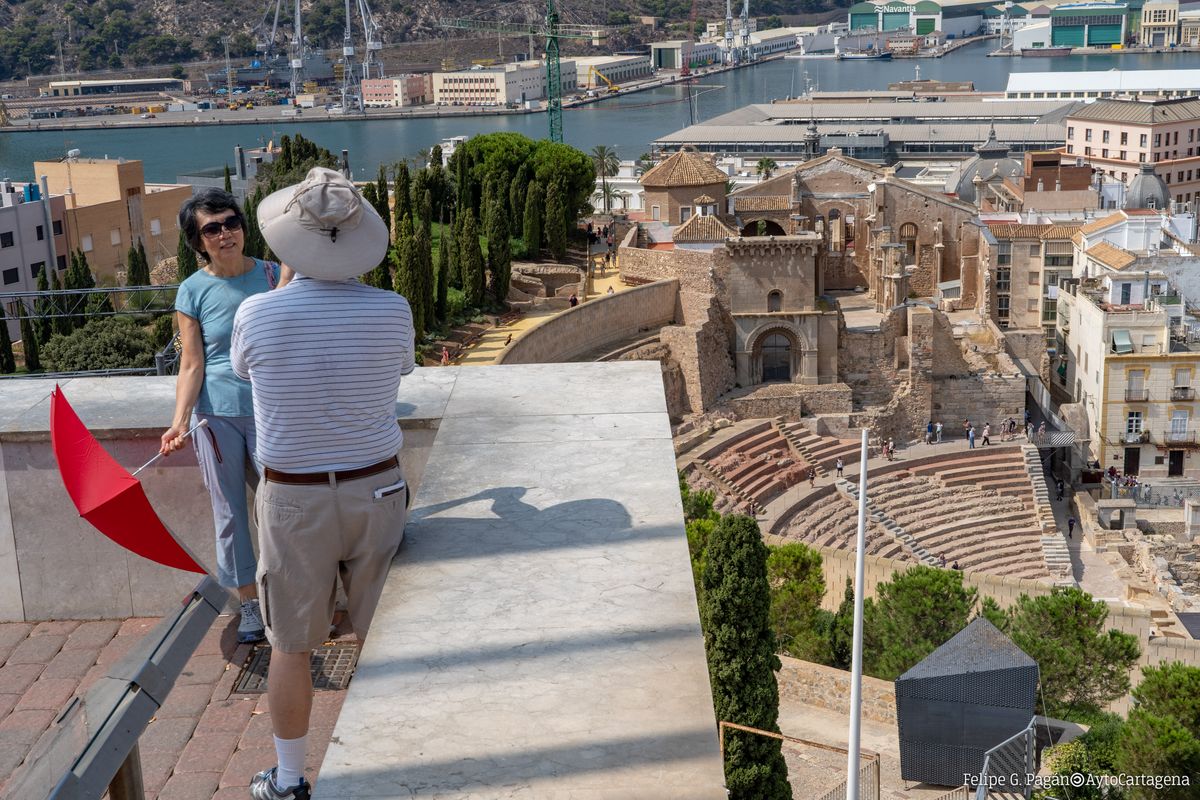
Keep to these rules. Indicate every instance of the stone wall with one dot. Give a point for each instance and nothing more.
(602, 320)
(827, 687)
(791, 400)
(693, 269)
(701, 349)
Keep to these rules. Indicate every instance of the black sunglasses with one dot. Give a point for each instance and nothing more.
(213, 229)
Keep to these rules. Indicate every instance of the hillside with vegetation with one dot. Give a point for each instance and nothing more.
(123, 34)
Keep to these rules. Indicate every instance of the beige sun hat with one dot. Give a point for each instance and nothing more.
(322, 228)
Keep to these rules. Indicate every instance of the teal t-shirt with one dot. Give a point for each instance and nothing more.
(213, 301)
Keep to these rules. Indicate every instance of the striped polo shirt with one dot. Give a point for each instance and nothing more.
(324, 359)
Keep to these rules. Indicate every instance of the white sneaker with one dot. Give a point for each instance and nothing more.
(250, 628)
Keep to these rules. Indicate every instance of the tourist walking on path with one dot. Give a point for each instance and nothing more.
(840, 465)
(1058, 487)
(937, 430)
(966, 426)
(1071, 528)
(929, 432)
(1041, 433)
(208, 390)
(987, 433)
(445, 357)
(1029, 431)
(325, 357)
(812, 477)
(970, 437)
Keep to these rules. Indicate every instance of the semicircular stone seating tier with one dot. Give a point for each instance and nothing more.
(755, 465)
(975, 509)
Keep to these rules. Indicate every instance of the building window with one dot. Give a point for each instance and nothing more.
(1124, 155)
(1141, 158)
(908, 237)
(11, 276)
(1104, 137)
(41, 233)
(6, 239)
(1183, 378)
(1087, 134)
(1133, 422)
(684, 213)
(1104, 153)
(36, 268)
(775, 301)
(655, 212)
(1003, 280)
(155, 227)
(1002, 303)
(1142, 139)
(1070, 148)
(114, 236)
(85, 243)
(1070, 132)
(1004, 253)
(1158, 140)
(61, 262)
(1087, 151)
(1124, 138)
(58, 227)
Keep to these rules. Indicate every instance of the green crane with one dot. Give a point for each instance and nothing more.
(551, 30)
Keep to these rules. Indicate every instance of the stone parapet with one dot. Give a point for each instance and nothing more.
(829, 687)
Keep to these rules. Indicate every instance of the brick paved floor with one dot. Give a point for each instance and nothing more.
(205, 742)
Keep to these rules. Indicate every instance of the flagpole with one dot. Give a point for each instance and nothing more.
(157, 456)
(852, 758)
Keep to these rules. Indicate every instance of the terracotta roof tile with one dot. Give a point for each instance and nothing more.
(1102, 223)
(707, 228)
(1015, 230)
(684, 168)
(704, 200)
(1111, 256)
(772, 202)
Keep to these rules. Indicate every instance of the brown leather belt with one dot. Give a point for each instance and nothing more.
(275, 476)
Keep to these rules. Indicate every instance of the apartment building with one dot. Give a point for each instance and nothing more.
(397, 92)
(1026, 264)
(31, 238)
(109, 207)
(499, 85)
(1118, 136)
(1130, 358)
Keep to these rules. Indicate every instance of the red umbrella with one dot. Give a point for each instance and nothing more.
(107, 495)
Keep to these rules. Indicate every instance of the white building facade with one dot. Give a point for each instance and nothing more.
(499, 85)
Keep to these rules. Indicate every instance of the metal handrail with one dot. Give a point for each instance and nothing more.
(92, 747)
(1137, 395)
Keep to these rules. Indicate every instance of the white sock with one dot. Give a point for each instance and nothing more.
(290, 753)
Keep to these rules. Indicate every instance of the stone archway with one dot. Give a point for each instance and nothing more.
(778, 353)
(771, 228)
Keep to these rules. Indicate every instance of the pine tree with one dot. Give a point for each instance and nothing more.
(443, 273)
(402, 189)
(44, 306)
(532, 229)
(8, 362)
(33, 361)
(556, 222)
(185, 259)
(499, 251)
(735, 615)
(471, 255)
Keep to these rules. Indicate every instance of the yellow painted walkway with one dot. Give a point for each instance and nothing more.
(494, 340)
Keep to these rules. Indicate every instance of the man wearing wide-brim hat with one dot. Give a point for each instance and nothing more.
(324, 356)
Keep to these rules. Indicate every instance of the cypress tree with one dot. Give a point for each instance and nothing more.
(516, 199)
(462, 179)
(405, 270)
(471, 256)
(735, 615)
(285, 159)
(228, 180)
(8, 362)
(255, 246)
(185, 259)
(60, 325)
(532, 229)
(44, 306)
(456, 253)
(422, 297)
(33, 361)
(445, 245)
(402, 189)
(556, 222)
(425, 212)
(381, 192)
(143, 262)
(499, 251)
(137, 271)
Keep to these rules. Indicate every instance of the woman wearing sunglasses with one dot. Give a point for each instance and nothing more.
(207, 389)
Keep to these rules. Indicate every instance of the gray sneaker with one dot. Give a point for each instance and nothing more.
(250, 628)
(262, 787)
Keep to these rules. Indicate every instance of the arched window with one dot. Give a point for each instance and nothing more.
(837, 231)
(776, 358)
(908, 237)
(774, 301)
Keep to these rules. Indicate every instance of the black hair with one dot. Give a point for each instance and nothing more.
(210, 200)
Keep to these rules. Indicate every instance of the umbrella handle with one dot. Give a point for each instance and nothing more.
(157, 456)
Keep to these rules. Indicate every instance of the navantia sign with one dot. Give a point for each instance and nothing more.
(897, 9)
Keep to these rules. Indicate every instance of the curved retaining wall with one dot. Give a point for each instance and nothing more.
(602, 320)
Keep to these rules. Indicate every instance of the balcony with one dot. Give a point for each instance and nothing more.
(1179, 437)
(1134, 437)
(1183, 393)
(1137, 395)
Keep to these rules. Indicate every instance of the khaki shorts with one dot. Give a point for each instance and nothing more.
(309, 535)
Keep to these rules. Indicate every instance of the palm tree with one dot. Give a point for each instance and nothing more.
(766, 166)
(608, 194)
(607, 164)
